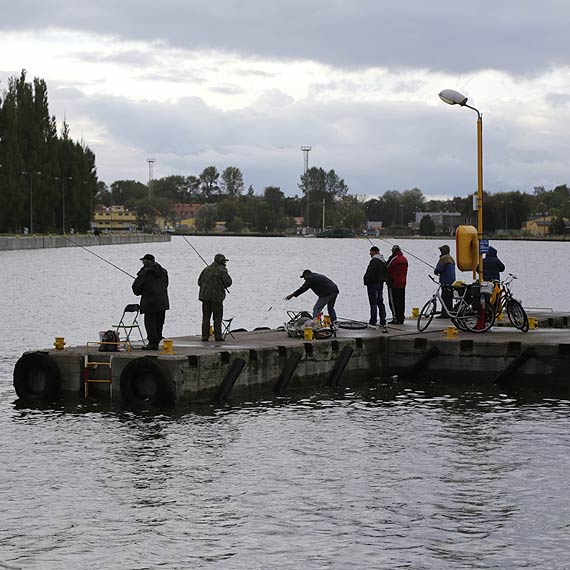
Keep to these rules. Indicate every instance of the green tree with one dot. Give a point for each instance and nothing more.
(232, 181)
(206, 217)
(209, 181)
(427, 226)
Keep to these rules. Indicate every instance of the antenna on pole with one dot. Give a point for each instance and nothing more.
(151, 162)
(306, 150)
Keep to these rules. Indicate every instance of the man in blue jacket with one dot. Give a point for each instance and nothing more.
(325, 289)
(492, 266)
(445, 268)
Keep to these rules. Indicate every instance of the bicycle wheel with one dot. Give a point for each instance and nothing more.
(426, 315)
(517, 315)
(471, 318)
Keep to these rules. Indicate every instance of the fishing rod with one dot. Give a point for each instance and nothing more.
(102, 258)
(197, 252)
(408, 252)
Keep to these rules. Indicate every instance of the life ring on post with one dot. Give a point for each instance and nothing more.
(36, 377)
(145, 381)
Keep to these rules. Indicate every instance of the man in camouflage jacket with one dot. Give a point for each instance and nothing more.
(213, 282)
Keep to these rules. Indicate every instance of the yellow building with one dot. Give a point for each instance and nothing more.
(114, 219)
(539, 226)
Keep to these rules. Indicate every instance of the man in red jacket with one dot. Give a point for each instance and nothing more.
(398, 271)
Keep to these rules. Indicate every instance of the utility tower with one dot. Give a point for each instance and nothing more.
(306, 150)
(151, 162)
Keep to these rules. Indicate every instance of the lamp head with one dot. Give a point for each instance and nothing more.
(452, 97)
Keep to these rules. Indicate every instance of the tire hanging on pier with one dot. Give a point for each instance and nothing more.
(37, 377)
(144, 381)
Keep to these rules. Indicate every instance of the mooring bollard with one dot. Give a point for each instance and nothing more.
(308, 333)
(415, 313)
(450, 332)
(167, 346)
(59, 342)
(532, 323)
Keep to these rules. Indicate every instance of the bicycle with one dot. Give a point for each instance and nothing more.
(466, 315)
(503, 301)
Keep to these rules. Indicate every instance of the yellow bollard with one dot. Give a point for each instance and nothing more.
(415, 313)
(500, 317)
(167, 346)
(532, 323)
(211, 331)
(450, 332)
(308, 333)
(327, 321)
(59, 342)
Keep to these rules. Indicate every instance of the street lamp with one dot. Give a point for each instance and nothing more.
(452, 97)
(63, 179)
(31, 175)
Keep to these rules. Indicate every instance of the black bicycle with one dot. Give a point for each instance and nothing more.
(505, 302)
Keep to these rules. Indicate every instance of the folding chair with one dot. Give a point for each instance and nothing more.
(226, 324)
(127, 326)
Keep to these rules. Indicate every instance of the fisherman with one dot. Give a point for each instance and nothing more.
(374, 278)
(151, 283)
(492, 266)
(324, 288)
(214, 282)
(445, 268)
(398, 271)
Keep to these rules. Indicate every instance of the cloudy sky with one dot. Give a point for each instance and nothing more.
(246, 83)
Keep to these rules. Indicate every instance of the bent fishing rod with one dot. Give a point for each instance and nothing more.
(408, 252)
(102, 258)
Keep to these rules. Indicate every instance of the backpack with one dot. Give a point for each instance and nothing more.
(109, 336)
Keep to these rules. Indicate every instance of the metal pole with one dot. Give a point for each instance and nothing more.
(480, 188)
(306, 150)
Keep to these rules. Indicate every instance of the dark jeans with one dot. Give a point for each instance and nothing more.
(376, 301)
(153, 323)
(397, 299)
(212, 309)
(329, 301)
(447, 296)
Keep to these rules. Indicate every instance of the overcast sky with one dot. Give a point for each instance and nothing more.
(246, 83)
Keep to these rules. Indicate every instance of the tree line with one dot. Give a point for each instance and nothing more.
(49, 183)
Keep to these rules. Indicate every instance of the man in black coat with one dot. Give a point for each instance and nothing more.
(151, 284)
(325, 289)
(374, 278)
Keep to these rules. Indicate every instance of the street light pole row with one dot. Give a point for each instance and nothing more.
(31, 175)
(63, 179)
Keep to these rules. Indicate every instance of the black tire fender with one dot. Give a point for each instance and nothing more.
(145, 381)
(37, 377)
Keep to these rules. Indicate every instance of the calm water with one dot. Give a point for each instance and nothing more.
(389, 476)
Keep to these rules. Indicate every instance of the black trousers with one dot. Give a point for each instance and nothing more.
(397, 299)
(153, 323)
(212, 309)
(447, 296)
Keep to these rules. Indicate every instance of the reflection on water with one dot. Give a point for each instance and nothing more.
(389, 475)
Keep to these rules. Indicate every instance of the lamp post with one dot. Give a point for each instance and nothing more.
(31, 175)
(452, 97)
(63, 179)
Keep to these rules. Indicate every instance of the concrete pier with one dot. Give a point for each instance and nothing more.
(268, 360)
(9, 243)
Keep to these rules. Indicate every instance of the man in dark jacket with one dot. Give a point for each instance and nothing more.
(213, 282)
(325, 289)
(151, 284)
(398, 272)
(374, 278)
(492, 266)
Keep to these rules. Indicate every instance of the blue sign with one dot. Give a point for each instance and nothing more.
(483, 245)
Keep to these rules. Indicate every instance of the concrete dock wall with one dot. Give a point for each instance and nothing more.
(8, 243)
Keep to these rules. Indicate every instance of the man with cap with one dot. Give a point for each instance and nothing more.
(324, 288)
(151, 283)
(374, 278)
(213, 282)
(445, 268)
(398, 272)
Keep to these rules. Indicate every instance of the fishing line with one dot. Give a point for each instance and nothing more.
(405, 251)
(102, 258)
